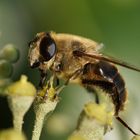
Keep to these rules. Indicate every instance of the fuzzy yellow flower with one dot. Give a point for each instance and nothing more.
(11, 134)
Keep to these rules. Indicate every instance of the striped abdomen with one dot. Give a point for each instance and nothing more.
(107, 77)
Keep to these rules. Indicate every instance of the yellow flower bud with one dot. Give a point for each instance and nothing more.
(20, 96)
(9, 53)
(21, 87)
(11, 134)
(99, 112)
(76, 137)
(136, 138)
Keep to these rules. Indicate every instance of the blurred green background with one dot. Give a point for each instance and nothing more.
(115, 23)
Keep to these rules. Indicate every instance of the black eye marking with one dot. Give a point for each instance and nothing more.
(47, 48)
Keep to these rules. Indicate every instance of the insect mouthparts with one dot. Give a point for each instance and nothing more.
(35, 64)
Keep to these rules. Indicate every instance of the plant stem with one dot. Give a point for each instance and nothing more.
(19, 105)
(42, 108)
(17, 122)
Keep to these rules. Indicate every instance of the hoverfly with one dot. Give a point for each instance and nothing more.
(77, 59)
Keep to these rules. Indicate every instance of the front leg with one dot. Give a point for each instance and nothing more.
(75, 75)
(43, 77)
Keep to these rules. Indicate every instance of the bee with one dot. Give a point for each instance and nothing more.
(77, 59)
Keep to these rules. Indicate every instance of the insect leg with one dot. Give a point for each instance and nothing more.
(126, 125)
(57, 82)
(43, 78)
(93, 90)
(72, 77)
(96, 97)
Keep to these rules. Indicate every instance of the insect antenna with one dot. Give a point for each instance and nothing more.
(126, 125)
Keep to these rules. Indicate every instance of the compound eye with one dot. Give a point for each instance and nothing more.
(47, 48)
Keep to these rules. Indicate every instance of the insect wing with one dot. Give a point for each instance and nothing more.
(107, 59)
